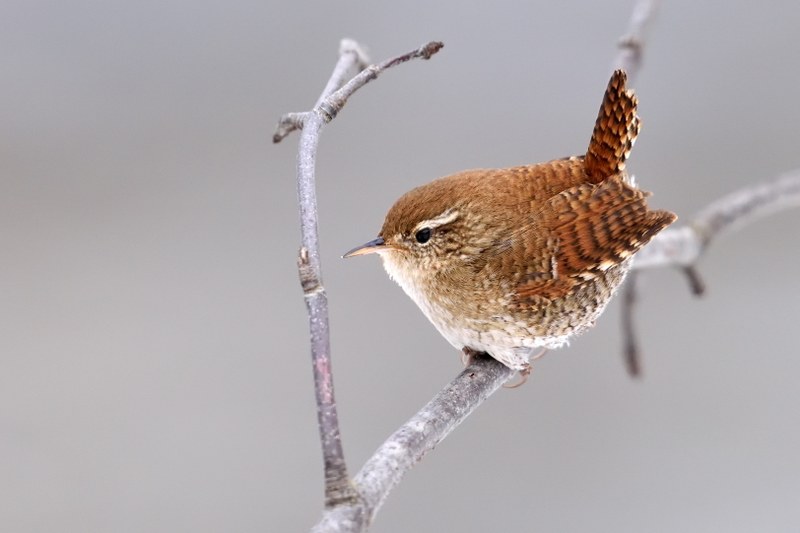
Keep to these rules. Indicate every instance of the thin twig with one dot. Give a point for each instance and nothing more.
(682, 247)
(696, 283)
(629, 58)
(287, 124)
(631, 343)
(331, 103)
(331, 107)
(631, 45)
(352, 56)
(340, 77)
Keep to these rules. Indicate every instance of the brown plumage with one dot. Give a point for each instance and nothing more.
(506, 260)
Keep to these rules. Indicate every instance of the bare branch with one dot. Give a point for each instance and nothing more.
(338, 488)
(337, 91)
(631, 45)
(287, 124)
(341, 76)
(351, 57)
(409, 444)
(683, 247)
(336, 102)
(631, 343)
(337, 482)
(696, 283)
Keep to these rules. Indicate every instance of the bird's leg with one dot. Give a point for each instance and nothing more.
(525, 373)
(541, 353)
(468, 355)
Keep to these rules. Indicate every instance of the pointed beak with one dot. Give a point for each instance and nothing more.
(371, 247)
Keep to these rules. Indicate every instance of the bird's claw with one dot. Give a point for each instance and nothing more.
(524, 374)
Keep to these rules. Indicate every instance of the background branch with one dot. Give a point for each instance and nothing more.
(630, 348)
(631, 45)
(683, 247)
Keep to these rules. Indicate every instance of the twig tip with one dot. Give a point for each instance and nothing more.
(431, 48)
(696, 283)
(632, 360)
(287, 124)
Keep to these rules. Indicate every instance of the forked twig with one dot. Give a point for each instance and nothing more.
(685, 245)
(682, 247)
(337, 91)
(409, 444)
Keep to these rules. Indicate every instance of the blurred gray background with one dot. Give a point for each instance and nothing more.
(154, 368)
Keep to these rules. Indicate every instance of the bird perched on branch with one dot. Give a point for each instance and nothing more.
(505, 261)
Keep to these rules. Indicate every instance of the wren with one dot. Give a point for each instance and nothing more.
(505, 261)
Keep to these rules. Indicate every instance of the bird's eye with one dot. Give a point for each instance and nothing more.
(423, 235)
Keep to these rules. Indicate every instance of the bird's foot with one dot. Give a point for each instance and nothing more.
(524, 374)
(541, 353)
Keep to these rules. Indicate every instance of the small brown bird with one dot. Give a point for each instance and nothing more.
(505, 261)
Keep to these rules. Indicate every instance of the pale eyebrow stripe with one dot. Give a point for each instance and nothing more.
(445, 218)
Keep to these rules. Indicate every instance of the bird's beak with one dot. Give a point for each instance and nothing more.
(371, 247)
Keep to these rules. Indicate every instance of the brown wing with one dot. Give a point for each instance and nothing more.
(591, 228)
(615, 130)
(590, 220)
